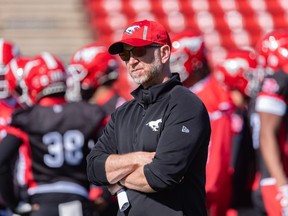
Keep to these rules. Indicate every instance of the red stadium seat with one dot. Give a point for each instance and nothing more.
(205, 21)
(224, 23)
(174, 21)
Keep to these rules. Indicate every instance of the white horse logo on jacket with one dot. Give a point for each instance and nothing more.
(154, 124)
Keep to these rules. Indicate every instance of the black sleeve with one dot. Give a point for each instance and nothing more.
(8, 151)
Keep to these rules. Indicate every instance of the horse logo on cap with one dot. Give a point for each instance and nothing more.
(132, 29)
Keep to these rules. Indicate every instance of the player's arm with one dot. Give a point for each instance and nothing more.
(270, 125)
(8, 151)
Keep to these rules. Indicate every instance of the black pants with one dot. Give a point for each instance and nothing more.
(49, 203)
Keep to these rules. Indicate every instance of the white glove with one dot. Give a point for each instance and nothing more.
(23, 208)
(282, 196)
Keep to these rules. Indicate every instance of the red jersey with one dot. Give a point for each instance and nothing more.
(218, 170)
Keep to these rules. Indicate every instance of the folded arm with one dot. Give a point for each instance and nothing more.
(127, 169)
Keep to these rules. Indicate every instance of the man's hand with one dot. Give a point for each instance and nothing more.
(143, 158)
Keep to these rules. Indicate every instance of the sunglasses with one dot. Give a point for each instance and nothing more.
(136, 51)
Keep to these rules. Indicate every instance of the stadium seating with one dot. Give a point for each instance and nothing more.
(225, 24)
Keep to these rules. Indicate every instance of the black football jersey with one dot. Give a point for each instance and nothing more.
(58, 141)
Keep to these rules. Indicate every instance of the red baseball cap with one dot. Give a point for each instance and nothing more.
(141, 33)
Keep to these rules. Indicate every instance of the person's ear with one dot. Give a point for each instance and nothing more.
(165, 53)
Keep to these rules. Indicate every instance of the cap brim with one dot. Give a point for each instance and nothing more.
(117, 47)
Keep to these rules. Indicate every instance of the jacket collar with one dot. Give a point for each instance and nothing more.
(152, 94)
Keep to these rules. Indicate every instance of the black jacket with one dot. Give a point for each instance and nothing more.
(171, 120)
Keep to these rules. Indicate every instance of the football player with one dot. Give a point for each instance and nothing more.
(8, 51)
(240, 73)
(92, 76)
(189, 58)
(58, 134)
(271, 104)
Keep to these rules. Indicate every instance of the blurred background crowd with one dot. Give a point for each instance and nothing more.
(62, 27)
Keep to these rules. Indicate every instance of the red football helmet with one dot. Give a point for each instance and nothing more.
(45, 76)
(188, 56)
(90, 67)
(16, 71)
(8, 51)
(273, 50)
(239, 71)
